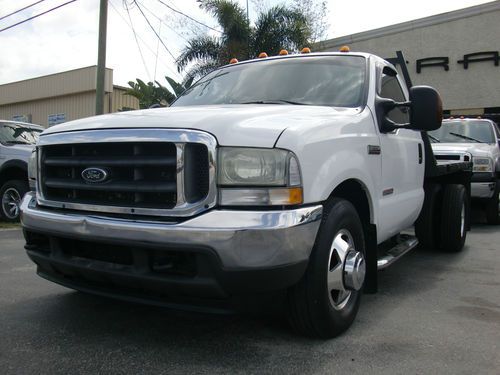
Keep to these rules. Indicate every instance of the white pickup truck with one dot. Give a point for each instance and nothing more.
(286, 180)
(478, 140)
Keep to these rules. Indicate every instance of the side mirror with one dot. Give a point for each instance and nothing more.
(426, 108)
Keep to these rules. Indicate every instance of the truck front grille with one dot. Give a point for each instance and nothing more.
(133, 177)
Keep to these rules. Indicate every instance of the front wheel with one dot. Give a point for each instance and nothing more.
(325, 302)
(11, 194)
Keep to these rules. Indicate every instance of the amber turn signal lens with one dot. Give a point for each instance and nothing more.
(233, 60)
(283, 52)
(345, 49)
(262, 55)
(295, 195)
(305, 50)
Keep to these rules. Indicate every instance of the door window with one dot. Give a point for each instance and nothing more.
(391, 89)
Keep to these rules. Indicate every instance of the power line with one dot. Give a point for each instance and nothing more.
(20, 10)
(152, 28)
(191, 18)
(38, 15)
(137, 42)
(139, 37)
(166, 24)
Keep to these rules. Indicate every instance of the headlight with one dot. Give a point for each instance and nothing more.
(482, 165)
(256, 176)
(32, 170)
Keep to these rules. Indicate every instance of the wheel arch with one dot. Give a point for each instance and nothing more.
(357, 193)
(354, 191)
(13, 170)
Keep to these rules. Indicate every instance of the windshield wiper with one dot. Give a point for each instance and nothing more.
(17, 143)
(465, 137)
(277, 101)
(433, 138)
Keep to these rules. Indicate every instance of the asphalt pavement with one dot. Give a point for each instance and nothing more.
(435, 314)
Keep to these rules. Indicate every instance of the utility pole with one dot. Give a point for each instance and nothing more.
(101, 58)
(248, 39)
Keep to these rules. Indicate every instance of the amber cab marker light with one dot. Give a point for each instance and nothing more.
(344, 49)
(233, 60)
(262, 55)
(283, 52)
(305, 50)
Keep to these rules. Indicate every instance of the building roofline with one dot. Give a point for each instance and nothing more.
(120, 87)
(411, 25)
(51, 74)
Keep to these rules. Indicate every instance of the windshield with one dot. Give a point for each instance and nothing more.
(337, 81)
(11, 134)
(465, 131)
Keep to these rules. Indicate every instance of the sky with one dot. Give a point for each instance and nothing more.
(66, 38)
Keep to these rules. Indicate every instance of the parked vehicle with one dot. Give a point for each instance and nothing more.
(479, 141)
(17, 140)
(292, 176)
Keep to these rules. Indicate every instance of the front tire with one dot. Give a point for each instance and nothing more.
(325, 302)
(11, 194)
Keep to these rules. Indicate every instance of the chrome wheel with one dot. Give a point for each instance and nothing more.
(462, 220)
(11, 201)
(346, 269)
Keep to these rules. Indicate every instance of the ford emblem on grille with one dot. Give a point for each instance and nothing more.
(94, 175)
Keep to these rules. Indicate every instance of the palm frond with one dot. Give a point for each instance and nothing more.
(199, 48)
(231, 17)
(280, 27)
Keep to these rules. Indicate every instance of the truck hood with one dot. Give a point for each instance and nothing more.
(475, 149)
(251, 125)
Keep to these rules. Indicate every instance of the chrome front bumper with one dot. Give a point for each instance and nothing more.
(482, 189)
(241, 239)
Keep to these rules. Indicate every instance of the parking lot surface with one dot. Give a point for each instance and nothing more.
(435, 313)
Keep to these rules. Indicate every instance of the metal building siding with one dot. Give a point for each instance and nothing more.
(70, 93)
(120, 99)
(54, 85)
(73, 106)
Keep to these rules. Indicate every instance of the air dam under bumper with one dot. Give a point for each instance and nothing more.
(216, 254)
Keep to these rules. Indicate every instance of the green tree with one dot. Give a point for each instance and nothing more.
(277, 28)
(155, 93)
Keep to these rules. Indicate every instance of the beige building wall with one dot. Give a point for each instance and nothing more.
(70, 94)
(120, 100)
(74, 106)
(453, 34)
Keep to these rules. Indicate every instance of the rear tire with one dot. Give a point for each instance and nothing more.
(455, 211)
(428, 223)
(492, 208)
(316, 308)
(11, 194)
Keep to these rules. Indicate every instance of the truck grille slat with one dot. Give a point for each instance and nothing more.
(112, 162)
(168, 187)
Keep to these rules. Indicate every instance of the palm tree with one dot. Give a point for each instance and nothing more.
(275, 29)
(155, 94)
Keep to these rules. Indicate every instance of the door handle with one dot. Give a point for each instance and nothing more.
(420, 154)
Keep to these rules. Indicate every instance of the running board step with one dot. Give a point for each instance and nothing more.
(407, 243)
